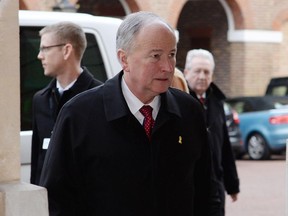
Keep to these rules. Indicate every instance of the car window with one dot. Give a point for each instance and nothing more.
(238, 106)
(278, 90)
(32, 76)
(227, 108)
(277, 86)
(247, 107)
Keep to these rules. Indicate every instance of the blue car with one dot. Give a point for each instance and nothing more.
(263, 124)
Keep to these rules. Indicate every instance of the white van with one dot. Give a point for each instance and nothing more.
(100, 58)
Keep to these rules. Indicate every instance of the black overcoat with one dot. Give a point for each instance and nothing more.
(46, 105)
(100, 161)
(225, 176)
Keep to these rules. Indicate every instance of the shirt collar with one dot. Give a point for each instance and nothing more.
(61, 89)
(135, 104)
(203, 95)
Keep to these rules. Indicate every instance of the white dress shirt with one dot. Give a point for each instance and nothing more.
(61, 89)
(135, 104)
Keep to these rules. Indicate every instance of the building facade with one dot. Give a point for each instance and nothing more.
(249, 38)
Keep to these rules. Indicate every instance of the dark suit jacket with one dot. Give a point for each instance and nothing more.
(100, 161)
(46, 105)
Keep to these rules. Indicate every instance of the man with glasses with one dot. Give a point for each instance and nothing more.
(61, 49)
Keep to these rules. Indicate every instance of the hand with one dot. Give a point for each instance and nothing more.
(234, 197)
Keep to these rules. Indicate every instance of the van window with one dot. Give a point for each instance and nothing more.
(32, 76)
(92, 58)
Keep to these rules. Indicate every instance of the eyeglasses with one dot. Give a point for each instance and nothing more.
(45, 48)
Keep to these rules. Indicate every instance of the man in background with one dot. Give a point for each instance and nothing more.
(61, 49)
(199, 68)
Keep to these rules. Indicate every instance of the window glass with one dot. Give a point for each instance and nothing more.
(238, 106)
(92, 59)
(279, 90)
(32, 76)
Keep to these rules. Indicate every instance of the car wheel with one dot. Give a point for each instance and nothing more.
(258, 148)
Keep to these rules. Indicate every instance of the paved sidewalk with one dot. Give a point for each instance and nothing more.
(263, 187)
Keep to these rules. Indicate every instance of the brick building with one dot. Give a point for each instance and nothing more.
(249, 38)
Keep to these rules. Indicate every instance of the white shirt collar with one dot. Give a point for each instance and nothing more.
(203, 95)
(61, 89)
(135, 104)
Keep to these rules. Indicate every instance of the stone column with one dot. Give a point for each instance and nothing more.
(286, 206)
(16, 198)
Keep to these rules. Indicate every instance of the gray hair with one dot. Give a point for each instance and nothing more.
(198, 53)
(131, 26)
(68, 32)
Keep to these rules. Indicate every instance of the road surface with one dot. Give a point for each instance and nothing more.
(263, 188)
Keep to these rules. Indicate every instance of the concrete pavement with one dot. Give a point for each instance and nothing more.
(262, 185)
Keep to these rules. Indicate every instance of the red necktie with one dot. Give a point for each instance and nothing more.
(148, 123)
(202, 100)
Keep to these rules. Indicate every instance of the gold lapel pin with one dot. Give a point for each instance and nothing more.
(180, 140)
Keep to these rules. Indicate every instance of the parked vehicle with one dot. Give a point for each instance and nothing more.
(232, 122)
(278, 86)
(263, 124)
(100, 58)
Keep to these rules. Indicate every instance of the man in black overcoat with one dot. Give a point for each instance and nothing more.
(198, 73)
(61, 49)
(105, 159)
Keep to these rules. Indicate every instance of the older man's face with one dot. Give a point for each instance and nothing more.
(199, 75)
(150, 64)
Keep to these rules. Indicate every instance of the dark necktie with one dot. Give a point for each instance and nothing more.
(148, 123)
(202, 100)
